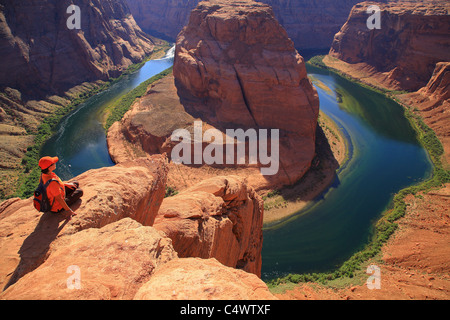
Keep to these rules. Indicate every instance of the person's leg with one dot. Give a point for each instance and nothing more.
(72, 194)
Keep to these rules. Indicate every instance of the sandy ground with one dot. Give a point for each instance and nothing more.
(415, 261)
(331, 152)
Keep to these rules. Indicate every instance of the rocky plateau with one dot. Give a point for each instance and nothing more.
(234, 68)
(129, 242)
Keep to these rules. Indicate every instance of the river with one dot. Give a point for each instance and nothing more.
(80, 140)
(385, 158)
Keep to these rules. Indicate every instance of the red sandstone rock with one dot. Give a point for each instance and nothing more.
(134, 189)
(234, 67)
(414, 36)
(44, 65)
(433, 102)
(202, 279)
(438, 87)
(40, 55)
(116, 255)
(218, 218)
(113, 263)
(236, 60)
(310, 24)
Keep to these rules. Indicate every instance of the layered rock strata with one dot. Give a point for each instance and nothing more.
(112, 248)
(409, 53)
(45, 65)
(217, 211)
(402, 54)
(235, 68)
(433, 104)
(310, 24)
(41, 55)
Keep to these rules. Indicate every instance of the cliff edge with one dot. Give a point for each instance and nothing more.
(235, 68)
(114, 249)
(402, 54)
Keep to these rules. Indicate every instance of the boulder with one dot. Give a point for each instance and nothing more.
(112, 262)
(132, 189)
(219, 218)
(202, 279)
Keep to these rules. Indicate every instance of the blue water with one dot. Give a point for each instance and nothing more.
(385, 158)
(80, 141)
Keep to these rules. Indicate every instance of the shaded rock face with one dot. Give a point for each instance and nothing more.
(235, 67)
(237, 60)
(110, 250)
(40, 55)
(439, 85)
(433, 102)
(220, 217)
(402, 55)
(310, 24)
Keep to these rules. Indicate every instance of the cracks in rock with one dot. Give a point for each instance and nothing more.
(247, 105)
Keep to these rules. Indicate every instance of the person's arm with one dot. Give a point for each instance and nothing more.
(63, 203)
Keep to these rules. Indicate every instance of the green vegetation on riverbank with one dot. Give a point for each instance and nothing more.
(353, 270)
(121, 106)
(30, 174)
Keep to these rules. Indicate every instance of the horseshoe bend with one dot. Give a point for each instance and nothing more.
(226, 146)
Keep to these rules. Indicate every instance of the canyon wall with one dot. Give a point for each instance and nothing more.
(409, 53)
(310, 24)
(41, 55)
(234, 68)
(45, 65)
(117, 246)
(402, 55)
(432, 102)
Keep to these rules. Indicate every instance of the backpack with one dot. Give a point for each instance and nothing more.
(41, 201)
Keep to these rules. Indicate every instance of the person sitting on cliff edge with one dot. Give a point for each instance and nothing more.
(60, 194)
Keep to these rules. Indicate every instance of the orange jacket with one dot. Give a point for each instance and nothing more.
(54, 189)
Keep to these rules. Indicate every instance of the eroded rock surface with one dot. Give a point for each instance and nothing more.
(113, 247)
(220, 217)
(202, 279)
(402, 55)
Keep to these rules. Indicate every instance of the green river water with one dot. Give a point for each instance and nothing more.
(385, 157)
